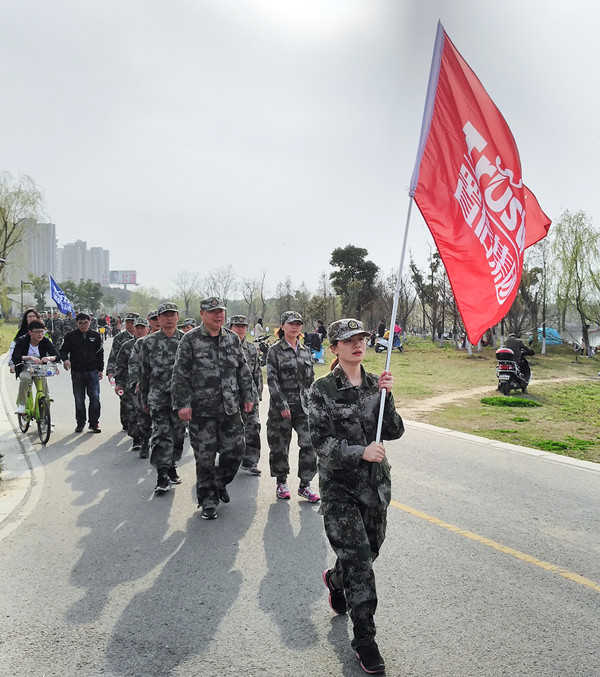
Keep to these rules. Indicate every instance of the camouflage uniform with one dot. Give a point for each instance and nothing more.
(289, 376)
(141, 422)
(211, 376)
(252, 420)
(56, 327)
(122, 380)
(118, 342)
(343, 421)
(157, 357)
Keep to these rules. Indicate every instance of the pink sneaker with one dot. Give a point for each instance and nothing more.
(309, 494)
(283, 491)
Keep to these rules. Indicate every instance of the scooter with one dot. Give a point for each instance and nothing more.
(381, 344)
(510, 376)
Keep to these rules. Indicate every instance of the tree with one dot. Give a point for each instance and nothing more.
(220, 282)
(576, 252)
(354, 281)
(188, 288)
(142, 300)
(40, 287)
(85, 296)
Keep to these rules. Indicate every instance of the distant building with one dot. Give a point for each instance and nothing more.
(34, 255)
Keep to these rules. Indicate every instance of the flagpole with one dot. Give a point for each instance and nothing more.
(373, 470)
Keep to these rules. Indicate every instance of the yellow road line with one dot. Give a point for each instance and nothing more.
(576, 578)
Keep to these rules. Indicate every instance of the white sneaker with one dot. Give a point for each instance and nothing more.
(20, 409)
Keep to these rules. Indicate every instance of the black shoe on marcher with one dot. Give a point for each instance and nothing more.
(79, 428)
(144, 451)
(209, 513)
(162, 483)
(370, 659)
(173, 476)
(337, 598)
(137, 444)
(224, 495)
(95, 428)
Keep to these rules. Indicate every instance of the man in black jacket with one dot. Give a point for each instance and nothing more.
(82, 352)
(34, 348)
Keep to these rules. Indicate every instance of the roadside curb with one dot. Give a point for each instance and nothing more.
(22, 470)
(505, 446)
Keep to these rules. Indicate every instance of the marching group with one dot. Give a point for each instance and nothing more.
(207, 380)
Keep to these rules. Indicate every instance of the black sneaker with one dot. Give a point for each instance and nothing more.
(252, 469)
(209, 513)
(337, 598)
(370, 658)
(79, 428)
(144, 451)
(162, 483)
(137, 444)
(95, 428)
(224, 495)
(173, 476)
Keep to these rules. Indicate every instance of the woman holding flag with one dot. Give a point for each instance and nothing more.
(343, 411)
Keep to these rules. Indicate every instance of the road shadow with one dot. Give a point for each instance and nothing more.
(178, 616)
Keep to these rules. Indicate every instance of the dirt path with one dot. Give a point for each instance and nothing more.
(414, 410)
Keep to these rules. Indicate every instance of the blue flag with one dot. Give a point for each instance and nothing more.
(60, 298)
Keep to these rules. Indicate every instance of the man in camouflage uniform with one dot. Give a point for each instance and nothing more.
(210, 381)
(187, 325)
(123, 383)
(118, 341)
(153, 320)
(343, 411)
(239, 324)
(56, 327)
(69, 324)
(157, 358)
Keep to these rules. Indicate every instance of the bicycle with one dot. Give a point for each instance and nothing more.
(38, 408)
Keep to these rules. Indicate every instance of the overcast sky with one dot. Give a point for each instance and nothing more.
(194, 134)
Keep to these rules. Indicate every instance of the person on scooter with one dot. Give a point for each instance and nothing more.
(520, 350)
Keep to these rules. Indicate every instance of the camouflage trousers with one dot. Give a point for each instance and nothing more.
(355, 520)
(168, 436)
(252, 437)
(209, 435)
(279, 435)
(140, 423)
(126, 406)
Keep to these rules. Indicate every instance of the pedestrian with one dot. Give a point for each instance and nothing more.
(258, 328)
(344, 408)
(321, 330)
(153, 321)
(381, 329)
(187, 325)
(34, 348)
(123, 384)
(289, 376)
(211, 383)
(82, 353)
(157, 358)
(239, 324)
(28, 316)
(118, 341)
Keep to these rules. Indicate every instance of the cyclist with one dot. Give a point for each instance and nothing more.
(35, 348)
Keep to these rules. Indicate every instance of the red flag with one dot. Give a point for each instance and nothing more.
(467, 184)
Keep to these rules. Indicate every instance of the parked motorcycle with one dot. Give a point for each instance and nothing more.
(508, 372)
(381, 344)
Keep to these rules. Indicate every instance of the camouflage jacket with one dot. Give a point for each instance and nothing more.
(253, 361)
(118, 341)
(133, 367)
(122, 363)
(157, 357)
(211, 376)
(289, 376)
(343, 421)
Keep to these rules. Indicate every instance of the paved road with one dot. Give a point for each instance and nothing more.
(491, 566)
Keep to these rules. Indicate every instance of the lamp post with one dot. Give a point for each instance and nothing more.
(24, 283)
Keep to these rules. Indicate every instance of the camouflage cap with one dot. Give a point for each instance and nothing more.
(239, 319)
(212, 303)
(291, 316)
(188, 322)
(131, 316)
(165, 307)
(340, 330)
(152, 315)
(141, 321)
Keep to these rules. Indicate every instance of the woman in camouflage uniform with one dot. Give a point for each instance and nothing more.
(343, 412)
(289, 375)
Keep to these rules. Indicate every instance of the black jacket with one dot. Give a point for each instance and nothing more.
(85, 351)
(22, 348)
